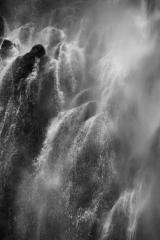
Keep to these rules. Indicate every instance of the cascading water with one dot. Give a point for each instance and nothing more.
(79, 126)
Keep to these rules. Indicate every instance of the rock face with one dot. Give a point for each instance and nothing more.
(8, 49)
(24, 118)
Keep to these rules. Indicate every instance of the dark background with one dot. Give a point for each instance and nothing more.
(29, 10)
(26, 10)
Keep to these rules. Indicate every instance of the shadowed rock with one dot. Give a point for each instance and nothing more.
(2, 27)
(38, 51)
(23, 122)
(8, 49)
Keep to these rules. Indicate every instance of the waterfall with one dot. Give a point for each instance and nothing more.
(80, 123)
